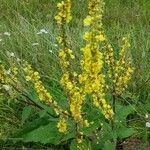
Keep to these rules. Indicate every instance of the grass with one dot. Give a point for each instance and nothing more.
(24, 19)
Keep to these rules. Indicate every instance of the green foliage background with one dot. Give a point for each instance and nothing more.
(24, 18)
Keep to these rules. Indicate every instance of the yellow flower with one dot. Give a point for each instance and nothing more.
(92, 78)
(88, 21)
(64, 14)
(62, 125)
(87, 36)
(100, 38)
(86, 123)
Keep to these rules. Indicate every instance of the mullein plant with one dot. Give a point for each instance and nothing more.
(119, 69)
(97, 52)
(91, 80)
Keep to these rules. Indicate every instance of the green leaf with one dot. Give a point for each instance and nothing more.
(125, 132)
(44, 134)
(85, 145)
(73, 145)
(43, 130)
(26, 113)
(109, 146)
(124, 111)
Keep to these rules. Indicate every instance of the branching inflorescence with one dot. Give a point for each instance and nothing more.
(119, 70)
(91, 80)
(92, 76)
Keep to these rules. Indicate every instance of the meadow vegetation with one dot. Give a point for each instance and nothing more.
(45, 62)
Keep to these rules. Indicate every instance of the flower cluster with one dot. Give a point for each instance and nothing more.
(8, 79)
(2, 75)
(92, 77)
(123, 70)
(64, 14)
(120, 71)
(44, 95)
(74, 93)
(94, 16)
(75, 96)
(62, 125)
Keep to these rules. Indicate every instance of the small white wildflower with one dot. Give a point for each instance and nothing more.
(7, 33)
(6, 87)
(12, 54)
(39, 33)
(148, 124)
(8, 72)
(50, 51)
(35, 44)
(18, 59)
(55, 45)
(42, 31)
(146, 116)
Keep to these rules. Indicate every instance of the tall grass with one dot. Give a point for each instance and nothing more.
(23, 19)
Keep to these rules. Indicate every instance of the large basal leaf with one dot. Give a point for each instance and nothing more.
(125, 132)
(44, 134)
(109, 146)
(43, 130)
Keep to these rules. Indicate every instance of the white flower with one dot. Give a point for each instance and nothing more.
(55, 45)
(18, 59)
(146, 116)
(12, 54)
(50, 51)
(6, 87)
(148, 124)
(8, 72)
(35, 44)
(7, 33)
(42, 31)
(39, 33)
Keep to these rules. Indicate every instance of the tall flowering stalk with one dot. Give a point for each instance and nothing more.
(8, 79)
(74, 93)
(119, 70)
(45, 96)
(92, 77)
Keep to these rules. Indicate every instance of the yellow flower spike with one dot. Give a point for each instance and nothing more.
(59, 39)
(87, 36)
(2, 74)
(62, 125)
(43, 94)
(92, 79)
(100, 38)
(120, 71)
(64, 14)
(88, 20)
(8, 79)
(86, 123)
(68, 81)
